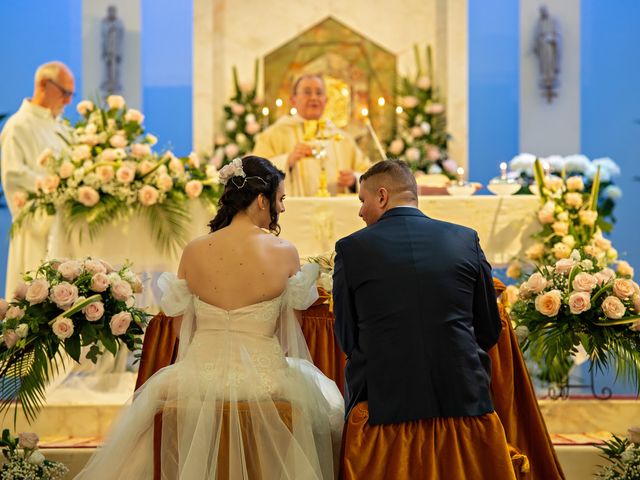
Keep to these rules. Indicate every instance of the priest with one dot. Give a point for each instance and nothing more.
(309, 149)
(32, 131)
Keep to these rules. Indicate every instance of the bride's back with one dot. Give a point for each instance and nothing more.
(237, 266)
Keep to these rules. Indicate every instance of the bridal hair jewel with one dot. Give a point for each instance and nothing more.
(234, 169)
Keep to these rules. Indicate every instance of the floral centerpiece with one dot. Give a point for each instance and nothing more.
(574, 298)
(421, 136)
(577, 166)
(61, 307)
(244, 118)
(108, 171)
(25, 462)
(623, 455)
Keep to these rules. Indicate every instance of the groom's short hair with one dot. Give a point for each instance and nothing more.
(395, 175)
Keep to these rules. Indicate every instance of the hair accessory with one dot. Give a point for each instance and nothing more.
(233, 169)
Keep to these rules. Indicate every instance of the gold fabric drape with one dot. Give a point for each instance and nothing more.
(462, 448)
(515, 402)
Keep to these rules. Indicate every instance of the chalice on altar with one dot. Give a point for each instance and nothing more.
(315, 131)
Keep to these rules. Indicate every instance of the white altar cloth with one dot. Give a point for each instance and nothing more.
(504, 224)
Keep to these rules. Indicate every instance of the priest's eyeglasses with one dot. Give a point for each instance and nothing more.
(65, 93)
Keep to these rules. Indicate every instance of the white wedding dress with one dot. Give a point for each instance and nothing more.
(244, 365)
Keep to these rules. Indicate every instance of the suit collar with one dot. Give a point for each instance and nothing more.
(402, 212)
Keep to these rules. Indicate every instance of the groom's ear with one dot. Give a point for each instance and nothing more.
(383, 197)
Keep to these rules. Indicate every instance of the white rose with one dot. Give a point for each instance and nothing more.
(121, 290)
(193, 188)
(115, 102)
(252, 128)
(118, 141)
(140, 150)
(549, 303)
(545, 216)
(605, 275)
(62, 328)
(84, 107)
(588, 217)
(94, 311)
(575, 183)
(561, 250)
(37, 292)
(64, 295)
(14, 313)
(133, 115)
(231, 150)
(36, 458)
(573, 199)
(535, 251)
(579, 302)
(70, 270)
(88, 196)
(81, 152)
(230, 126)
(108, 155)
(125, 174)
(28, 440)
(50, 183)
(100, 282)
(22, 330)
(145, 167)
(119, 323)
(625, 269)
(536, 283)
(164, 182)
(105, 173)
(94, 266)
(623, 288)
(66, 169)
(613, 308)
(560, 228)
(148, 195)
(584, 282)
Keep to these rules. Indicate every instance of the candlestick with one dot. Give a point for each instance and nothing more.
(503, 170)
(376, 141)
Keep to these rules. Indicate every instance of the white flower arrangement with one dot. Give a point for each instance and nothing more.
(109, 169)
(25, 461)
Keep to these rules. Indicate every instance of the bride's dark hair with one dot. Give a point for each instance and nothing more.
(262, 177)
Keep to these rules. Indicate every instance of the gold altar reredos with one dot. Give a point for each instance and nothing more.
(356, 70)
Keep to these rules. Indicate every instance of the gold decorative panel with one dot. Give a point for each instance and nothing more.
(357, 73)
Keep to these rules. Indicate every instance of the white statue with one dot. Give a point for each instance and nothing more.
(547, 49)
(112, 39)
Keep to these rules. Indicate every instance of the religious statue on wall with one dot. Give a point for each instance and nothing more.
(112, 39)
(547, 49)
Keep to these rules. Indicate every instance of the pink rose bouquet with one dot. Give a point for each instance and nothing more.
(63, 306)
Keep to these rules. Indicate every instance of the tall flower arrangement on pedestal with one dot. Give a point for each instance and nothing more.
(243, 120)
(421, 136)
(574, 298)
(108, 171)
(61, 307)
(577, 165)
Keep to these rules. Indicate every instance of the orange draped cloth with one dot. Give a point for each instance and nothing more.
(515, 402)
(465, 448)
(317, 328)
(160, 347)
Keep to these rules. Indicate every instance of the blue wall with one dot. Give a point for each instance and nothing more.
(494, 70)
(166, 52)
(610, 113)
(33, 32)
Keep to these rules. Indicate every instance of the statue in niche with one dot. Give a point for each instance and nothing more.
(547, 49)
(112, 38)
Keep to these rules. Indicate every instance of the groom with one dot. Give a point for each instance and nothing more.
(415, 314)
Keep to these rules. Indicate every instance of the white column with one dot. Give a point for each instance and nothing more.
(203, 94)
(550, 128)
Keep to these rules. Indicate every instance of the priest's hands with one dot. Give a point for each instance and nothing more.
(300, 151)
(346, 178)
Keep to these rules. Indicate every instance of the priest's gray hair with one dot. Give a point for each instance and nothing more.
(49, 71)
(304, 77)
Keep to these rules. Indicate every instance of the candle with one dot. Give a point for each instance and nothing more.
(460, 172)
(293, 111)
(399, 110)
(381, 101)
(503, 170)
(279, 102)
(364, 112)
(265, 111)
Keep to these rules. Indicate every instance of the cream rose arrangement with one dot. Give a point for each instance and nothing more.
(62, 306)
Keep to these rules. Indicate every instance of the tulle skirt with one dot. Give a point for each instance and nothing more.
(233, 408)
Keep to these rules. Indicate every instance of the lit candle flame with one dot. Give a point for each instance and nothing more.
(460, 172)
(365, 112)
(381, 101)
(265, 111)
(293, 111)
(279, 102)
(399, 110)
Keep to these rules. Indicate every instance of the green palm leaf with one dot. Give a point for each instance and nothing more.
(169, 222)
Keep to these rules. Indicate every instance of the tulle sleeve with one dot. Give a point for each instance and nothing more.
(177, 300)
(300, 294)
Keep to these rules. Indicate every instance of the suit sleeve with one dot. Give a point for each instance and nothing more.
(345, 326)
(486, 318)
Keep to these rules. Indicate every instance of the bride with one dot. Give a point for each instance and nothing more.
(243, 400)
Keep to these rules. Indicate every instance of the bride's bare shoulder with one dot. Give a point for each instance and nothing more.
(285, 249)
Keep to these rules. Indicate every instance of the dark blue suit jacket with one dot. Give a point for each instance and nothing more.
(415, 314)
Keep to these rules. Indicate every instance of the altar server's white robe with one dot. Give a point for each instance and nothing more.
(24, 137)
